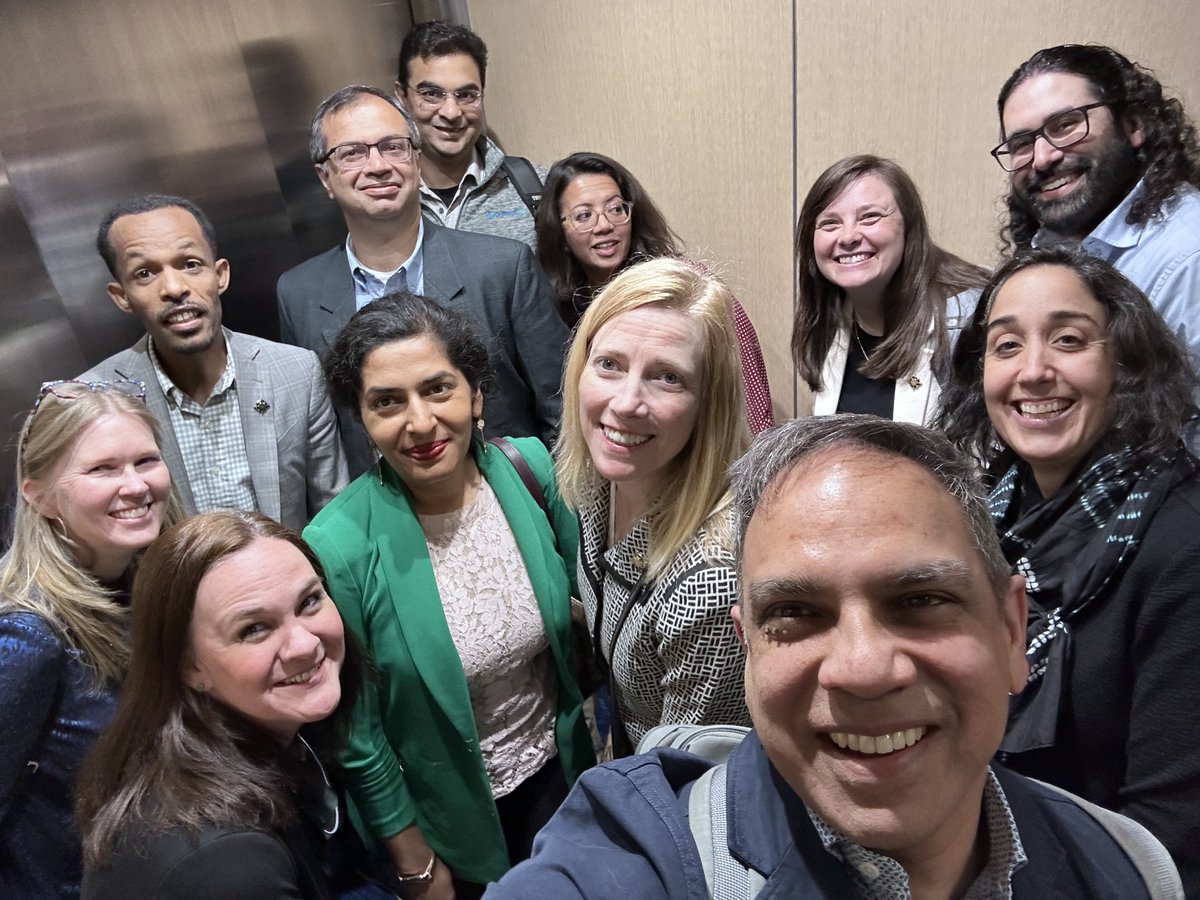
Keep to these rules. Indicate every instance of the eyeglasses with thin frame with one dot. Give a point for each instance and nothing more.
(1061, 131)
(585, 219)
(72, 390)
(354, 154)
(433, 97)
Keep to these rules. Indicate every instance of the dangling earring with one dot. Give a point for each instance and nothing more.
(479, 425)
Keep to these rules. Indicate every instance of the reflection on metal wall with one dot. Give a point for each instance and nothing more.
(100, 101)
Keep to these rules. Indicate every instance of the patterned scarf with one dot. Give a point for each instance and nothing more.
(1071, 547)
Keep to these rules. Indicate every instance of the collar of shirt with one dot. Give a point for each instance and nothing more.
(370, 284)
(177, 397)
(1114, 231)
(882, 878)
(472, 177)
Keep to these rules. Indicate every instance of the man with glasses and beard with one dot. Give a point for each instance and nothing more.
(1096, 154)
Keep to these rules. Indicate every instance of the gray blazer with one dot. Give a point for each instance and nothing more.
(296, 460)
(495, 281)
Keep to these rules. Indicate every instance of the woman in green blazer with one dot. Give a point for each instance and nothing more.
(459, 584)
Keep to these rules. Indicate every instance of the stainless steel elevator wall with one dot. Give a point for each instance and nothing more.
(209, 99)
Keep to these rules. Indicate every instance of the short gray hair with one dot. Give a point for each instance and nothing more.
(346, 97)
(754, 476)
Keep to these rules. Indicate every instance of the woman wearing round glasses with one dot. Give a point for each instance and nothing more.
(878, 302)
(93, 491)
(211, 782)
(595, 219)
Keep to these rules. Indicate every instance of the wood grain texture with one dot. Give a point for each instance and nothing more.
(698, 99)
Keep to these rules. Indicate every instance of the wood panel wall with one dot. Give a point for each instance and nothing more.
(728, 110)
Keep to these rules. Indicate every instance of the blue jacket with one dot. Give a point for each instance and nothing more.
(623, 833)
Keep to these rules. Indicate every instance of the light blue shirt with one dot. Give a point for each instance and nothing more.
(371, 285)
(1161, 257)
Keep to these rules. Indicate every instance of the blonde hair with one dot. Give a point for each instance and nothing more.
(698, 487)
(41, 573)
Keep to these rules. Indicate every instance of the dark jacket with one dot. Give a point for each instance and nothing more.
(212, 864)
(52, 713)
(1129, 729)
(623, 833)
(494, 281)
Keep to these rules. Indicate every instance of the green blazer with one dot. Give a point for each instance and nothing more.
(414, 753)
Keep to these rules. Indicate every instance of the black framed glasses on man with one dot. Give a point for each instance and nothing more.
(1061, 130)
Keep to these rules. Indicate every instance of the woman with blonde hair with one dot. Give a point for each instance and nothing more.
(93, 492)
(652, 417)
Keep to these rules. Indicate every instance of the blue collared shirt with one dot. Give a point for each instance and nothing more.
(371, 285)
(1161, 257)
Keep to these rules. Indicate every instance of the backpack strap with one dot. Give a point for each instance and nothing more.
(726, 877)
(525, 179)
(1144, 850)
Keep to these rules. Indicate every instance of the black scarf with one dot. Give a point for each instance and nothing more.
(1071, 547)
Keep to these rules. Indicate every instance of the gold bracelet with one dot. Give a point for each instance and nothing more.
(420, 877)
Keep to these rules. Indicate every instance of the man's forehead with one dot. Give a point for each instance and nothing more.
(1046, 94)
(363, 112)
(170, 224)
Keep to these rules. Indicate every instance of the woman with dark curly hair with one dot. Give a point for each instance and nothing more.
(595, 220)
(1074, 394)
(878, 303)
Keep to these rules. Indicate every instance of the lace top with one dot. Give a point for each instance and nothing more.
(497, 629)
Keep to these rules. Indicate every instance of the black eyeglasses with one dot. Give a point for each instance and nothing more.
(354, 154)
(73, 390)
(1061, 131)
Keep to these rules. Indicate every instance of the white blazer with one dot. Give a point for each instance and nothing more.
(916, 397)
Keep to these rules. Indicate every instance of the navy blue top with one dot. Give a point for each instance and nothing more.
(51, 714)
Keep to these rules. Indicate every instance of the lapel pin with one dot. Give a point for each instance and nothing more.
(914, 382)
(261, 407)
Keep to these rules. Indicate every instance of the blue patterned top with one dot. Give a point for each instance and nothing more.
(52, 714)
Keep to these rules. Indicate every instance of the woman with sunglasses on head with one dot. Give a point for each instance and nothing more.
(212, 780)
(93, 491)
(596, 219)
(878, 302)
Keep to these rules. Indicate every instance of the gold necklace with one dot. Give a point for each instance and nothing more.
(858, 339)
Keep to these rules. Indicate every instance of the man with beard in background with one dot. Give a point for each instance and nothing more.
(1096, 154)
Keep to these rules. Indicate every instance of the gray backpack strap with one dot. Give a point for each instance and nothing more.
(1144, 850)
(726, 877)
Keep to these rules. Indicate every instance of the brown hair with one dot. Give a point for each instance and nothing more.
(916, 297)
(174, 756)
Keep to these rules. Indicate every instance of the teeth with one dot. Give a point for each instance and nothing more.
(183, 316)
(624, 438)
(136, 513)
(878, 745)
(853, 258)
(303, 676)
(1043, 408)
(1055, 184)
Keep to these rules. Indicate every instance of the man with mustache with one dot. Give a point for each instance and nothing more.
(883, 634)
(1097, 154)
(246, 423)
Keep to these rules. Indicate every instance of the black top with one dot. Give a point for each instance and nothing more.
(446, 195)
(1129, 729)
(861, 394)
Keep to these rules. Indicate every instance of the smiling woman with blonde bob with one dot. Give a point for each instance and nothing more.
(652, 419)
(1075, 394)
